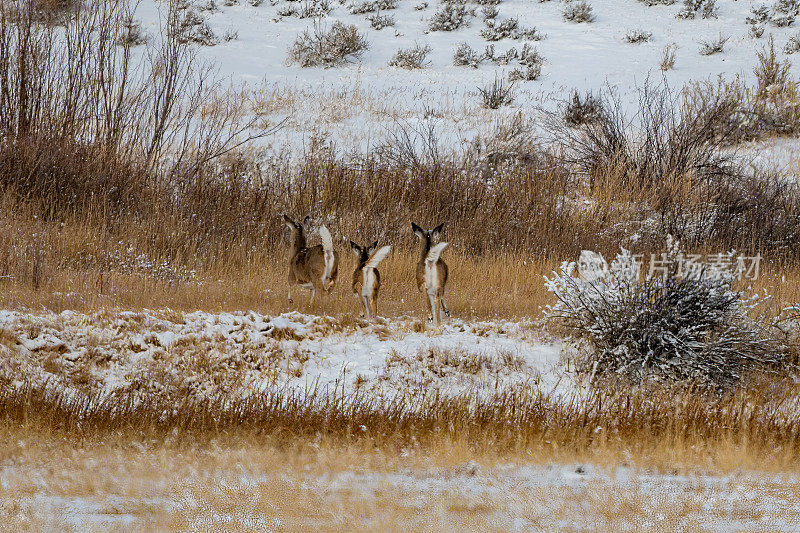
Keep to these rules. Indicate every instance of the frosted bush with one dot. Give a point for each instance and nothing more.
(450, 17)
(320, 48)
(507, 28)
(466, 56)
(689, 326)
(578, 11)
(411, 58)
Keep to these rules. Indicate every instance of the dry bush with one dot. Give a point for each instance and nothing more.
(328, 48)
(708, 48)
(411, 58)
(497, 95)
(578, 11)
(674, 326)
(671, 161)
(450, 17)
(638, 36)
(771, 74)
(466, 56)
(668, 57)
(707, 9)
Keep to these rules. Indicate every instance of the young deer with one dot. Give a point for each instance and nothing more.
(431, 271)
(315, 267)
(366, 278)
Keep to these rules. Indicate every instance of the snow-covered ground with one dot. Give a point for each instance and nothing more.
(244, 353)
(356, 104)
(555, 497)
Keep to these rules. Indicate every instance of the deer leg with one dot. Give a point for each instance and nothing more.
(290, 294)
(434, 310)
(374, 302)
(365, 301)
(313, 294)
(428, 305)
(444, 307)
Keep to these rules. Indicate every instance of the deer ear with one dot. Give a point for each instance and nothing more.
(419, 232)
(289, 222)
(306, 220)
(356, 248)
(372, 248)
(437, 230)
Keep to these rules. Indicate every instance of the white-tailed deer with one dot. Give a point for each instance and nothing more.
(366, 278)
(431, 271)
(314, 267)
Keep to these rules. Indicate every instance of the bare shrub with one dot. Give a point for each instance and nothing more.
(372, 6)
(771, 74)
(378, 21)
(638, 36)
(450, 17)
(497, 95)
(578, 111)
(131, 33)
(677, 327)
(651, 3)
(328, 48)
(708, 48)
(578, 11)
(466, 56)
(490, 12)
(191, 27)
(507, 28)
(668, 57)
(672, 160)
(531, 62)
(792, 45)
(707, 9)
(411, 58)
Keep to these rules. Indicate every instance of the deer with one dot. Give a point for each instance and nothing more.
(431, 271)
(366, 278)
(314, 267)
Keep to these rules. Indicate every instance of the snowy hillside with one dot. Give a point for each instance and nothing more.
(356, 102)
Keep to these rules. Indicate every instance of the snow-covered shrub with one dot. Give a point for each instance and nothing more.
(420, 7)
(378, 22)
(707, 9)
(668, 57)
(526, 73)
(490, 12)
(192, 28)
(372, 6)
(322, 48)
(131, 33)
(450, 17)
(689, 326)
(314, 9)
(651, 3)
(708, 48)
(578, 11)
(792, 45)
(531, 63)
(230, 35)
(466, 56)
(638, 36)
(411, 58)
(756, 31)
(772, 75)
(495, 31)
(578, 111)
(497, 94)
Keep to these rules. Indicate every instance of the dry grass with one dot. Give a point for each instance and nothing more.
(239, 482)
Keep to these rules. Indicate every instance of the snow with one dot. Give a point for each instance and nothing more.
(358, 103)
(244, 353)
(512, 497)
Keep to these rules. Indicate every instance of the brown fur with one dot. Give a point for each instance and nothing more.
(426, 238)
(358, 277)
(307, 264)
